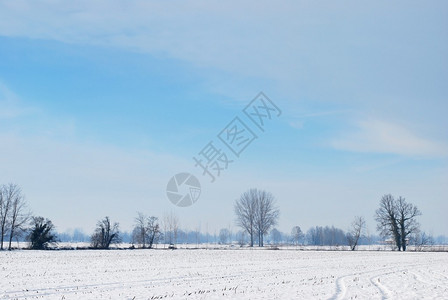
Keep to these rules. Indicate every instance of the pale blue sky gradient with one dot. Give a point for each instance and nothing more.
(101, 103)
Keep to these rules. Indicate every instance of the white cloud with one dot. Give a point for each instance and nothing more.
(309, 50)
(378, 136)
(262, 39)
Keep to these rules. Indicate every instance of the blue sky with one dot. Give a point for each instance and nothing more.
(101, 103)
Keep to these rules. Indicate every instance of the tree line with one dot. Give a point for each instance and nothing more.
(256, 214)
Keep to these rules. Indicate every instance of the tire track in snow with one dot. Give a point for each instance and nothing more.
(439, 274)
(385, 292)
(420, 278)
(341, 288)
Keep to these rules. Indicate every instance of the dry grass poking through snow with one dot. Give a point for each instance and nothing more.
(216, 274)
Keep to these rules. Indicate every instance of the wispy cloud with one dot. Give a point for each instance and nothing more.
(10, 105)
(298, 122)
(325, 113)
(378, 136)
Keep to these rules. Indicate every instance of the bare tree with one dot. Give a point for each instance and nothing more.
(105, 234)
(139, 233)
(5, 206)
(386, 217)
(245, 209)
(13, 215)
(18, 214)
(153, 230)
(41, 233)
(296, 234)
(396, 218)
(266, 214)
(146, 231)
(408, 224)
(355, 232)
(256, 213)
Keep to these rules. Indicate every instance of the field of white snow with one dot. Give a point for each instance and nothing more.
(217, 274)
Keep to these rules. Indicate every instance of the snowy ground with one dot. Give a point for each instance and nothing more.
(216, 274)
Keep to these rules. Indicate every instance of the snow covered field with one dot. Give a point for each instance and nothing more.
(216, 274)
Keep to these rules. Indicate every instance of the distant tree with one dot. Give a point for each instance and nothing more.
(241, 238)
(146, 231)
(197, 235)
(314, 236)
(276, 236)
(105, 234)
(230, 235)
(224, 235)
(326, 236)
(421, 239)
(193, 236)
(368, 236)
(441, 240)
(396, 218)
(41, 233)
(79, 235)
(171, 227)
(355, 232)
(296, 234)
(125, 237)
